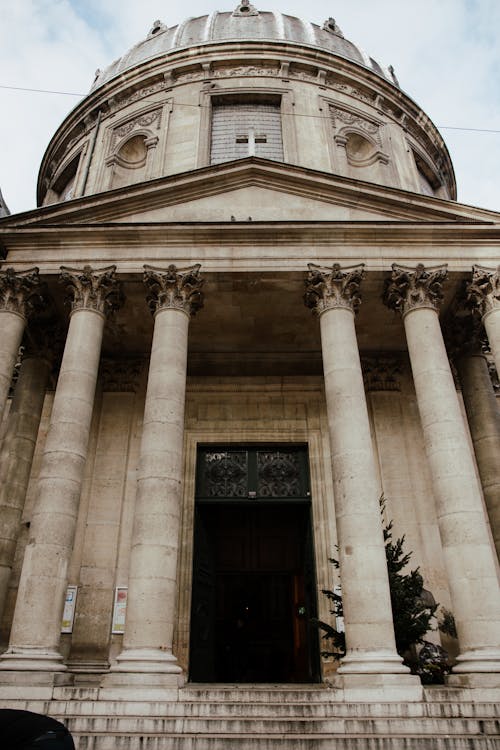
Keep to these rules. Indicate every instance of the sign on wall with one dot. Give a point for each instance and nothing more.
(119, 610)
(69, 610)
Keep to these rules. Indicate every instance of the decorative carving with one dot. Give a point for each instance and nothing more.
(495, 380)
(349, 118)
(224, 474)
(327, 288)
(278, 474)
(176, 288)
(20, 291)
(483, 292)
(141, 93)
(16, 371)
(142, 121)
(90, 289)
(382, 373)
(245, 9)
(121, 375)
(463, 332)
(411, 288)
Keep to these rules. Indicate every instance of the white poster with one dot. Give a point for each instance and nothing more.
(119, 609)
(69, 610)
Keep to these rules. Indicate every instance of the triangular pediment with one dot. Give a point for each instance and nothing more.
(250, 190)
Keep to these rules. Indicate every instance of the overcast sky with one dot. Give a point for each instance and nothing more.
(446, 54)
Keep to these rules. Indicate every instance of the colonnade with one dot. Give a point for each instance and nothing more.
(334, 294)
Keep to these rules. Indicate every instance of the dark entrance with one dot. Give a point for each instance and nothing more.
(253, 573)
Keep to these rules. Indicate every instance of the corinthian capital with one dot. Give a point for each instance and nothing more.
(483, 292)
(411, 288)
(90, 289)
(327, 288)
(20, 291)
(174, 288)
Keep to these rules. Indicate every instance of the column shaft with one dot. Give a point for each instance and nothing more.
(36, 627)
(365, 587)
(12, 326)
(468, 554)
(484, 424)
(18, 449)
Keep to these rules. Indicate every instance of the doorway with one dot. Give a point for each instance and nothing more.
(253, 592)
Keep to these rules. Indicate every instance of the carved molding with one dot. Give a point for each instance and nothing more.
(174, 288)
(382, 372)
(350, 118)
(483, 292)
(328, 288)
(20, 291)
(121, 375)
(144, 120)
(92, 289)
(412, 288)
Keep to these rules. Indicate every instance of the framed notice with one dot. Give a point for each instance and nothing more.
(69, 610)
(119, 610)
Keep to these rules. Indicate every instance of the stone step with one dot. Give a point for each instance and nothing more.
(252, 709)
(283, 742)
(273, 726)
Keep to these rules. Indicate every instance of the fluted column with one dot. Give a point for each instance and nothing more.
(371, 659)
(17, 456)
(35, 634)
(19, 294)
(465, 339)
(469, 556)
(483, 294)
(147, 658)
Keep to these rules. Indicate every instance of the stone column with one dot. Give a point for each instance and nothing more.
(469, 556)
(483, 294)
(35, 634)
(147, 658)
(465, 344)
(17, 456)
(19, 294)
(371, 662)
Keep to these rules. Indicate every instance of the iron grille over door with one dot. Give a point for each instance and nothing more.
(240, 130)
(252, 473)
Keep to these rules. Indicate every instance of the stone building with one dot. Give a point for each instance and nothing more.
(261, 257)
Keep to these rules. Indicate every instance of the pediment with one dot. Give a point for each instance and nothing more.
(250, 190)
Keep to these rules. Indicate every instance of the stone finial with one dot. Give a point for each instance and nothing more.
(245, 9)
(157, 28)
(175, 288)
(20, 291)
(411, 288)
(331, 25)
(327, 288)
(483, 292)
(92, 289)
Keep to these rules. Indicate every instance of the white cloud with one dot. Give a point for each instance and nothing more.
(445, 54)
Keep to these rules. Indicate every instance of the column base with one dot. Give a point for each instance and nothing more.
(379, 688)
(144, 667)
(372, 662)
(26, 659)
(478, 670)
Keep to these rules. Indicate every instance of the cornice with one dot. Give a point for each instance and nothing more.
(253, 171)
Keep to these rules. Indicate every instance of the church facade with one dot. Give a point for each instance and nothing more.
(248, 305)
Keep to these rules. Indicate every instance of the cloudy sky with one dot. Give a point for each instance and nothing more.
(446, 54)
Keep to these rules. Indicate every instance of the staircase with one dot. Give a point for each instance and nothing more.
(237, 717)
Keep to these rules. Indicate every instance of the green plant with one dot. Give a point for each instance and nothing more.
(412, 610)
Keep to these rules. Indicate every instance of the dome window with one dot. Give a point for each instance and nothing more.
(245, 9)
(246, 128)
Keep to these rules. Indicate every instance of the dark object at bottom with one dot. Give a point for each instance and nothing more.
(25, 730)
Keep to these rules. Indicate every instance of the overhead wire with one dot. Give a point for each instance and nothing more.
(200, 106)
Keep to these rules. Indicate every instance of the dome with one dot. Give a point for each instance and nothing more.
(243, 24)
